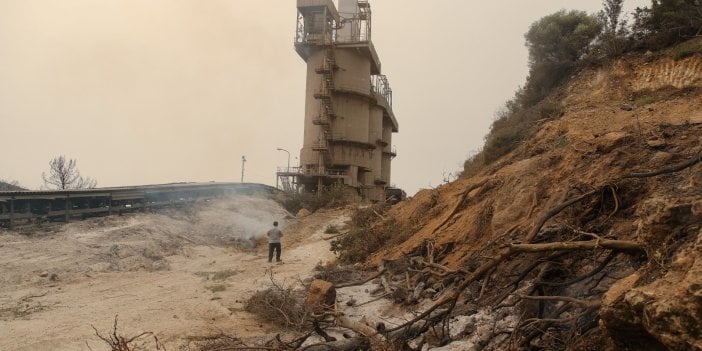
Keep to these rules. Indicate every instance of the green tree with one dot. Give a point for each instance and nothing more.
(64, 174)
(557, 43)
(614, 28)
(667, 22)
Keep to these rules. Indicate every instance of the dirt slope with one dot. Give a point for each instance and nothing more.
(179, 274)
(640, 114)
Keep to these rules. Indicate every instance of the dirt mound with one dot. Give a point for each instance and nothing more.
(136, 242)
(620, 164)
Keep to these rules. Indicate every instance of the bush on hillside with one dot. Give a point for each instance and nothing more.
(10, 186)
(366, 237)
(667, 22)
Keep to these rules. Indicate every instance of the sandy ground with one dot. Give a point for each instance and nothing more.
(177, 274)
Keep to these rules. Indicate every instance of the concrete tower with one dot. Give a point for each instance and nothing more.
(348, 108)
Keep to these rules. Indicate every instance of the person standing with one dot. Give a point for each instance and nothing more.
(274, 235)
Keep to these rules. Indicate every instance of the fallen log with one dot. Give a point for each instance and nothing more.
(621, 245)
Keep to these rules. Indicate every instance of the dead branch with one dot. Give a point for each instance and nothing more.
(360, 328)
(333, 236)
(547, 320)
(696, 159)
(556, 210)
(585, 303)
(376, 275)
(459, 203)
(371, 300)
(616, 201)
(621, 245)
(511, 250)
(531, 335)
(598, 269)
(121, 343)
(486, 282)
(318, 329)
(515, 284)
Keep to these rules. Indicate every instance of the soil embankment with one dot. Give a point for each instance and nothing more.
(620, 162)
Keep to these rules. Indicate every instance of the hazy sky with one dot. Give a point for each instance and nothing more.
(143, 92)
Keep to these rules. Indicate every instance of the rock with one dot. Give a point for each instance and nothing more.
(656, 143)
(320, 296)
(627, 107)
(661, 158)
(696, 179)
(619, 288)
(44, 274)
(612, 140)
(666, 312)
(697, 209)
(696, 119)
(303, 213)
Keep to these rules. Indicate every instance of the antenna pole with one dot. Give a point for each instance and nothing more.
(243, 162)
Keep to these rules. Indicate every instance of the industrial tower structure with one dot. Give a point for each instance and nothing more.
(348, 108)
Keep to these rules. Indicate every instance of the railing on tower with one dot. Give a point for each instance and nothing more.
(317, 27)
(381, 86)
(355, 27)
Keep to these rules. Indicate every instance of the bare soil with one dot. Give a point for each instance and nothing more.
(180, 273)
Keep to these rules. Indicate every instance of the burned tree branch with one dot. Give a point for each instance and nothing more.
(556, 210)
(512, 250)
(622, 245)
(585, 303)
(598, 269)
(376, 275)
(459, 203)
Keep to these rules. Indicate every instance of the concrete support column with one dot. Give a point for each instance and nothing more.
(67, 214)
(12, 212)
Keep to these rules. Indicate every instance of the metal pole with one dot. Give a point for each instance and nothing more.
(281, 149)
(243, 161)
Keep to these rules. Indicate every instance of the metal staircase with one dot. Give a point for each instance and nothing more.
(326, 108)
(287, 187)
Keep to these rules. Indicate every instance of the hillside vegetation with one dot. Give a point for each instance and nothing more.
(619, 164)
(578, 226)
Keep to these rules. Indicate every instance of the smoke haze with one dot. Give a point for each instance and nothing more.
(159, 91)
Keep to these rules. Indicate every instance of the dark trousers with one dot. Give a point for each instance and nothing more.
(276, 247)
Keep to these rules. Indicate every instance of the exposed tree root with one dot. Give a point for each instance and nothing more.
(677, 168)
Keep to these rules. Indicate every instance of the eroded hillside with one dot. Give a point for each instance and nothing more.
(618, 166)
